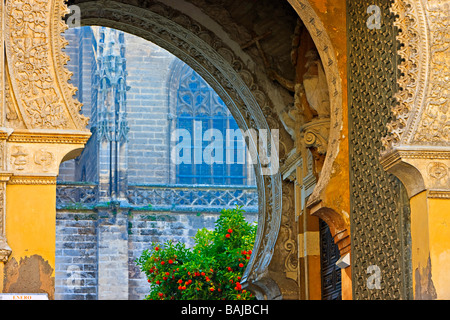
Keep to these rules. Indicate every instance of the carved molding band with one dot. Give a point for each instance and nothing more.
(59, 137)
(419, 169)
(32, 180)
(209, 197)
(437, 194)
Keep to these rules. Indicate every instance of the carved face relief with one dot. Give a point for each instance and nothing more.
(437, 171)
(19, 158)
(44, 159)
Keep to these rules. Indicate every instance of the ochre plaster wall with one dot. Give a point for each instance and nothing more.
(30, 230)
(430, 233)
(439, 221)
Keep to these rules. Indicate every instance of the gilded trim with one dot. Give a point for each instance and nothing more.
(49, 137)
(32, 180)
(438, 194)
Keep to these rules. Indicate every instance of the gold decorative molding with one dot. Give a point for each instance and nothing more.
(439, 194)
(32, 180)
(49, 137)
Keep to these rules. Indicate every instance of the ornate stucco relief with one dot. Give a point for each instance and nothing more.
(434, 127)
(423, 109)
(37, 76)
(420, 130)
(42, 118)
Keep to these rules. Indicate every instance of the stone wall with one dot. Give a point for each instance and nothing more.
(96, 249)
(148, 69)
(76, 256)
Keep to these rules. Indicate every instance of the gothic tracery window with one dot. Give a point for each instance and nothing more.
(199, 109)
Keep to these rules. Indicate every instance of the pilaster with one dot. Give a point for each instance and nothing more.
(418, 145)
(426, 176)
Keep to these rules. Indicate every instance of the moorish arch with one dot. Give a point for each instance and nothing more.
(193, 45)
(42, 127)
(221, 64)
(251, 104)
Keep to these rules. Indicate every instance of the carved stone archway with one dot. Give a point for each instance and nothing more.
(44, 126)
(247, 100)
(229, 77)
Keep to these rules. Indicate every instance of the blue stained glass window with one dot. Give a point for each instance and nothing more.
(198, 105)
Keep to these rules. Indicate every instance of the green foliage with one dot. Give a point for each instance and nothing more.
(211, 270)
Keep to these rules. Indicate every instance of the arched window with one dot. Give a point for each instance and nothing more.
(201, 112)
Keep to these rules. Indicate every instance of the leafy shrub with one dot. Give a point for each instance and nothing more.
(211, 270)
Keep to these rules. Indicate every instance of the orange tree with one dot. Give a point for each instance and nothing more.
(211, 270)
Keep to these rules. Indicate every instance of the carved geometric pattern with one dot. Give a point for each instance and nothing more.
(193, 196)
(68, 195)
(379, 209)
